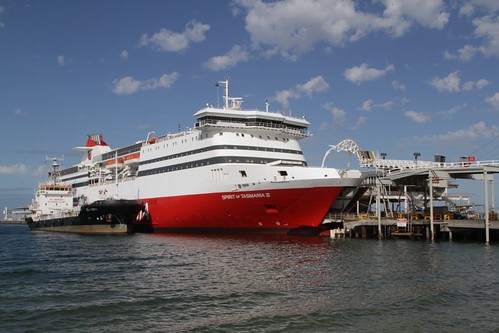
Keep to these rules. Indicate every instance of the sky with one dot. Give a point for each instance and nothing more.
(395, 76)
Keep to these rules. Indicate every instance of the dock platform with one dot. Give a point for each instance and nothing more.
(420, 229)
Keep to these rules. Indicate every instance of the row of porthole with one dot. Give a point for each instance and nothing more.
(268, 137)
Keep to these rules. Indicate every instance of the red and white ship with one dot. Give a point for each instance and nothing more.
(234, 171)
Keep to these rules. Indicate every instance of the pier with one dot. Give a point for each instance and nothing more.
(446, 230)
(411, 199)
(11, 221)
(15, 216)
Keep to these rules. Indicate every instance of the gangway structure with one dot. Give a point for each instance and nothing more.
(430, 175)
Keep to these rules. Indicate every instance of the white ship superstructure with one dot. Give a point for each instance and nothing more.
(52, 198)
(235, 169)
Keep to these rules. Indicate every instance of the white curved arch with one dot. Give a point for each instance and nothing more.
(347, 145)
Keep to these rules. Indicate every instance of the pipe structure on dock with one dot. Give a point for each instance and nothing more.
(378, 206)
(432, 230)
(487, 232)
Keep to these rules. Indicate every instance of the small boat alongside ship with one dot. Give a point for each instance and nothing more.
(55, 208)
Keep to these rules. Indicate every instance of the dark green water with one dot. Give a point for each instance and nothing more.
(53, 282)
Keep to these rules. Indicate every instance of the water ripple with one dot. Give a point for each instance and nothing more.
(52, 282)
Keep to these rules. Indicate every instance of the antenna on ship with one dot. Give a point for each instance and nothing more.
(267, 103)
(225, 83)
(55, 174)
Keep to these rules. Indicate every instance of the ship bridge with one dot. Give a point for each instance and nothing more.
(232, 116)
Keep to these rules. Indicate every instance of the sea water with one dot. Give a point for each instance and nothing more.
(56, 282)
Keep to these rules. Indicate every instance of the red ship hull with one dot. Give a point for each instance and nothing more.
(280, 211)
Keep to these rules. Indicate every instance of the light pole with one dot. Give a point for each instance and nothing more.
(416, 155)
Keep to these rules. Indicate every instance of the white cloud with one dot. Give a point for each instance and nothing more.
(128, 85)
(169, 41)
(418, 117)
(482, 83)
(316, 84)
(358, 74)
(467, 9)
(40, 171)
(487, 28)
(449, 56)
(360, 122)
(467, 52)
(468, 85)
(398, 86)
(428, 13)
(387, 105)
(16, 169)
(449, 83)
(405, 100)
(367, 105)
(464, 54)
(124, 54)
(230, 59)
(284, 96)
(296, 26)
(2, 10)
(61, 60)
(337, 113)
(20, 113)
(449, 113)
(475, 132)
(493, 100)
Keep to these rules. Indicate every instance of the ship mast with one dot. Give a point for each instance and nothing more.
(55, 174)
(225, 83)
(235, 102)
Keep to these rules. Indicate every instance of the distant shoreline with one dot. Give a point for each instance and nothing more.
(12, 222)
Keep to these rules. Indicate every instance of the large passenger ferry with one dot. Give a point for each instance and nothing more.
(235, 171)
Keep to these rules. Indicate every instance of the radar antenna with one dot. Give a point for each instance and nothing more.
(55, 174)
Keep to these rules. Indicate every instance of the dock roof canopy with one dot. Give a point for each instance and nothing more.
(419, 175)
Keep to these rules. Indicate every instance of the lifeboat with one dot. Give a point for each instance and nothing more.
(115, 162)
(131, 159)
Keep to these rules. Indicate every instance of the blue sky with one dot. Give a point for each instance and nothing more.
(395, 76)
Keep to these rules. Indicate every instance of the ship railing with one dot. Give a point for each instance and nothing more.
(415, 164)
(340, 217)
(166, 137)
(471, 164)
(254, 125)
